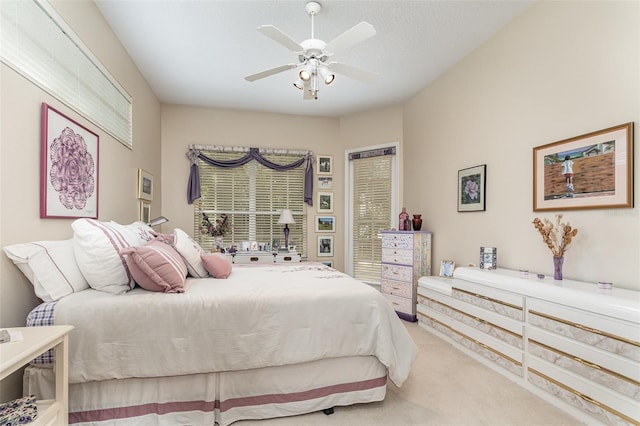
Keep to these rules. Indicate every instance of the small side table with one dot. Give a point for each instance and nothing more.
(35, 341)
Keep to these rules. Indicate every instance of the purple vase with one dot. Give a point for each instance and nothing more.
(557, 267)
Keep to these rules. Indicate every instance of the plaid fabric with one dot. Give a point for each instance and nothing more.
(39, 316)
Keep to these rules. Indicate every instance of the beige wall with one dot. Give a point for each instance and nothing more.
(560, 70)
(182, 126)
(20, 155)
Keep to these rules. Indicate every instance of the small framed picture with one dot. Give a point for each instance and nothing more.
(325, 224)
(325, 246)
(446, 268)
(325, 182)
(145, 185)
(324, 164)
(488, 258)
(145, 212)
(328, 263)
(325, 202)
(471, 189)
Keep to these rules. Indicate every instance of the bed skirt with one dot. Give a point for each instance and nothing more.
(219, 398)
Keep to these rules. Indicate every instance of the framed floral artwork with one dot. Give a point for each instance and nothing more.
(585, 172)
(68, 167)
(145, 185)
(471, 189)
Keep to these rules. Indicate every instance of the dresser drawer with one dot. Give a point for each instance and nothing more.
(397, 255)
(400, 304)
(258, 257)
(397, 288)
(397, 273)
(397, 240)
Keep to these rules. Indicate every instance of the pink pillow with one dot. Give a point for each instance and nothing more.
(217, 264)
(156, 267)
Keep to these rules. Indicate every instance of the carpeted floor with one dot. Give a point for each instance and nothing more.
(446, 387)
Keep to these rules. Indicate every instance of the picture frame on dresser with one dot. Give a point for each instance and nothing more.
(68, 167)
(446, 268)
(488, 258)
(472, 189)
(590, 171)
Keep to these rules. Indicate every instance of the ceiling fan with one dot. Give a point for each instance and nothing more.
(314, 55)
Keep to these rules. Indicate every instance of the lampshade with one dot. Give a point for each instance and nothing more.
(158, 221)
(286, 217)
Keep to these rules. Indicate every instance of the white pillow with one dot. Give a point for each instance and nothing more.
(191, 253)
(50, 266)
(97, 247)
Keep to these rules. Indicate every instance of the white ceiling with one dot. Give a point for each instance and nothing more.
(198, 52)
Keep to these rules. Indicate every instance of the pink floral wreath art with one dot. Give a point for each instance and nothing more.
(72, 169)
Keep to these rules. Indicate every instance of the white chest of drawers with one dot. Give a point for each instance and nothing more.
(406, 256)
(569, 342)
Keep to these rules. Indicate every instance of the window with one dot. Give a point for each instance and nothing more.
(372, 193)
(252, 196)
(39, 45)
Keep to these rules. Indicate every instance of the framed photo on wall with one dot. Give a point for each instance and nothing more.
(585, 172)
(471, 189)
(325, 246)
(145, 185)
(325, 202)
(324, 164)
(69, 167)
(325, 182)
(325, 224)
(145, 212)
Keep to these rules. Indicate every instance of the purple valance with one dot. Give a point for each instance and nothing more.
(193, 186)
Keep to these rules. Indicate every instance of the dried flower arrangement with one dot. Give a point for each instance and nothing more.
(219, 229)
(557, 236)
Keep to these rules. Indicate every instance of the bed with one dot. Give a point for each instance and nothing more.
(267, 341)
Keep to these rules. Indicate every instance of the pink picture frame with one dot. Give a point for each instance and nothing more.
(68, 167)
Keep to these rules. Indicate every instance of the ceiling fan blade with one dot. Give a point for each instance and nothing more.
(276, 35)
(267, 73)
(356, 34)
(353, 72)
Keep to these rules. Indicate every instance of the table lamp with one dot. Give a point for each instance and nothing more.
(286, 217)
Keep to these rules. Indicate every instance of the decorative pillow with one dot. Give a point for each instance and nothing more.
(156, 267)
(97, 247)
(191, 252)
(218, 265)
(50, 266)
(20, 411)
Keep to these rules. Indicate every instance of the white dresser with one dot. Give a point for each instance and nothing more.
(406, 256)
(241, 257)
(569, 342)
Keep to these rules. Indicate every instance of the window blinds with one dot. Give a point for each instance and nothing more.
(38, 44)
(252, 196)
(372, 190)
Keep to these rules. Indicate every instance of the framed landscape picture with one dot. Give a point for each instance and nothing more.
(585, 172)
(471, 189)
(325, 224)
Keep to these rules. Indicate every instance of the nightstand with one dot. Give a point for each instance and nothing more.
(37, 340)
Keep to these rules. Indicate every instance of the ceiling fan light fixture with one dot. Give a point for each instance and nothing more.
(299, 84)
(304, 74)
(327, 76)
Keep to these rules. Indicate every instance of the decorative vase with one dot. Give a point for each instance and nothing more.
(557, 267)
(403, 221)
(217, 244)
(417, 222)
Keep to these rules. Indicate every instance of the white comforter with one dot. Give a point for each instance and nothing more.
(260, 316)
